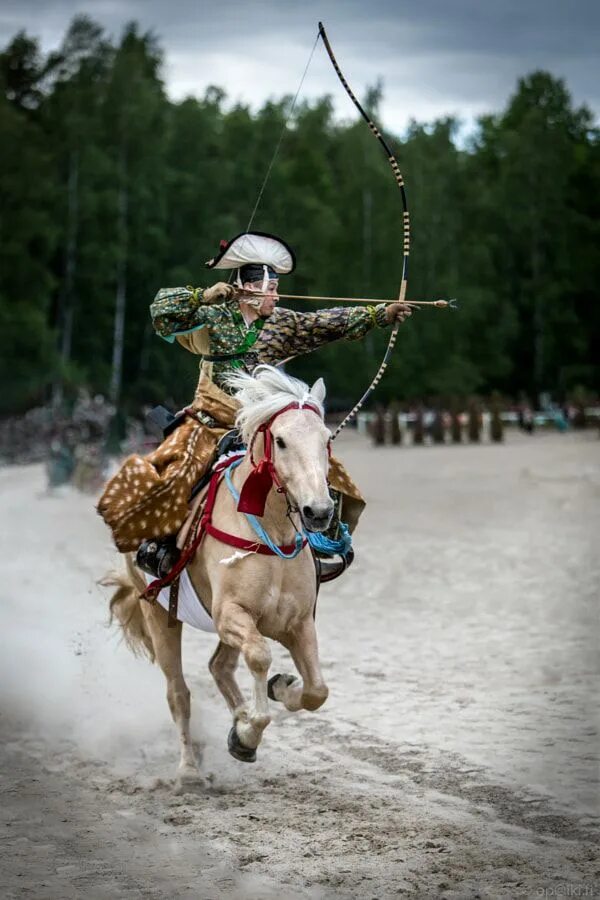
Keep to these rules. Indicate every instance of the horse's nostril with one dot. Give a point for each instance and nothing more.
(318, 513)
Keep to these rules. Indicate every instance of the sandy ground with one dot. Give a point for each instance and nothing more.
(457, 755)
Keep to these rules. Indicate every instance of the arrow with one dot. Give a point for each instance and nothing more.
(440, 304)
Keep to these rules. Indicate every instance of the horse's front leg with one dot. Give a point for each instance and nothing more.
(222, 666)
(237, 629)
(311, 692)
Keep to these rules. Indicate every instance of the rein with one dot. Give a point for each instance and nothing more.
(267, 544)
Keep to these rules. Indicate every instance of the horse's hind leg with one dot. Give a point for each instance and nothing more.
(237, 629)
(167, 648)
(311, 692)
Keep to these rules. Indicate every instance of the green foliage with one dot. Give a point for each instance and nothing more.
(109, 189)
(27, 354)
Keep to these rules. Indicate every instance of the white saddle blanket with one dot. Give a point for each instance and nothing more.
(189, 609)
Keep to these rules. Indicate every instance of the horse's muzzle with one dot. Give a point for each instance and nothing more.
(318, 516)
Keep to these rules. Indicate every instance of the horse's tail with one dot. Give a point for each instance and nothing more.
(125, 606)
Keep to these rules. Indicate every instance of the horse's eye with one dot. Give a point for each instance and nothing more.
(280, 442)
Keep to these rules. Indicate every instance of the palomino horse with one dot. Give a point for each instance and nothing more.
(250, 595)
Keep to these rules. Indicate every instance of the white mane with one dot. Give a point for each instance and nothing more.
(265, 392)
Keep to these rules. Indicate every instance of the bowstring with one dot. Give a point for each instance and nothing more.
(281, 135)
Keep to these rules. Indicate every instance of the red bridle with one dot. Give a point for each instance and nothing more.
(259, 482)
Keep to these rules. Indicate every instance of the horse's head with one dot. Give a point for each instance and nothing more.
(288, 417)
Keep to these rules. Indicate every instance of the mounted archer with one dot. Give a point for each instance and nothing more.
(230, 327)
(266, 587)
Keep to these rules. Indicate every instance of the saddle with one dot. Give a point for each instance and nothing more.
(157, 557)
(167, 421)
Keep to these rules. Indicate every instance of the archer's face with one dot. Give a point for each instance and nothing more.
(269, 302)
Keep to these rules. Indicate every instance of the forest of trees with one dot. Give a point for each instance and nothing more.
(110, 191)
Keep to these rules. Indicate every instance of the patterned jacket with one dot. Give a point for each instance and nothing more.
(219, 334)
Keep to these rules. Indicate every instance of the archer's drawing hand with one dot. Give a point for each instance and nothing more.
(397, 312)
(218, 293)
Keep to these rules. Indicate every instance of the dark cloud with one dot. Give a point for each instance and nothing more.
(436, 57)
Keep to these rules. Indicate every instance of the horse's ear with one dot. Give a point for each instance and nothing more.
(318, 391)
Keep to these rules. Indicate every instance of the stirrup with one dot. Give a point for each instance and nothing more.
(329, 569)
(157, 556)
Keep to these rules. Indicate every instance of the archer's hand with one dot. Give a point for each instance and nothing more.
(218, 293)
(397, 312)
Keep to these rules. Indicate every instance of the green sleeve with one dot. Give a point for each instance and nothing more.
(313, 329)
(180, 310)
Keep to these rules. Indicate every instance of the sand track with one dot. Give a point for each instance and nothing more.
(457, 755)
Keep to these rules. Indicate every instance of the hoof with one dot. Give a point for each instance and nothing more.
(238, 750)
(189, 784)
(288, 679)
(189, 778)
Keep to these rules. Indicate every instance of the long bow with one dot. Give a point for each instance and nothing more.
(405, 227)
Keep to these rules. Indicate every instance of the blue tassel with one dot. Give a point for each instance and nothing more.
(325, 545)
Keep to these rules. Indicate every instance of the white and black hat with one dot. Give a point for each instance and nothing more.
(254, 248)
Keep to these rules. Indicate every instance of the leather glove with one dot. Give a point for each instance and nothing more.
(218, 293)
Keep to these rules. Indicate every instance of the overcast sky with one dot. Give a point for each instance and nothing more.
(436, 57)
